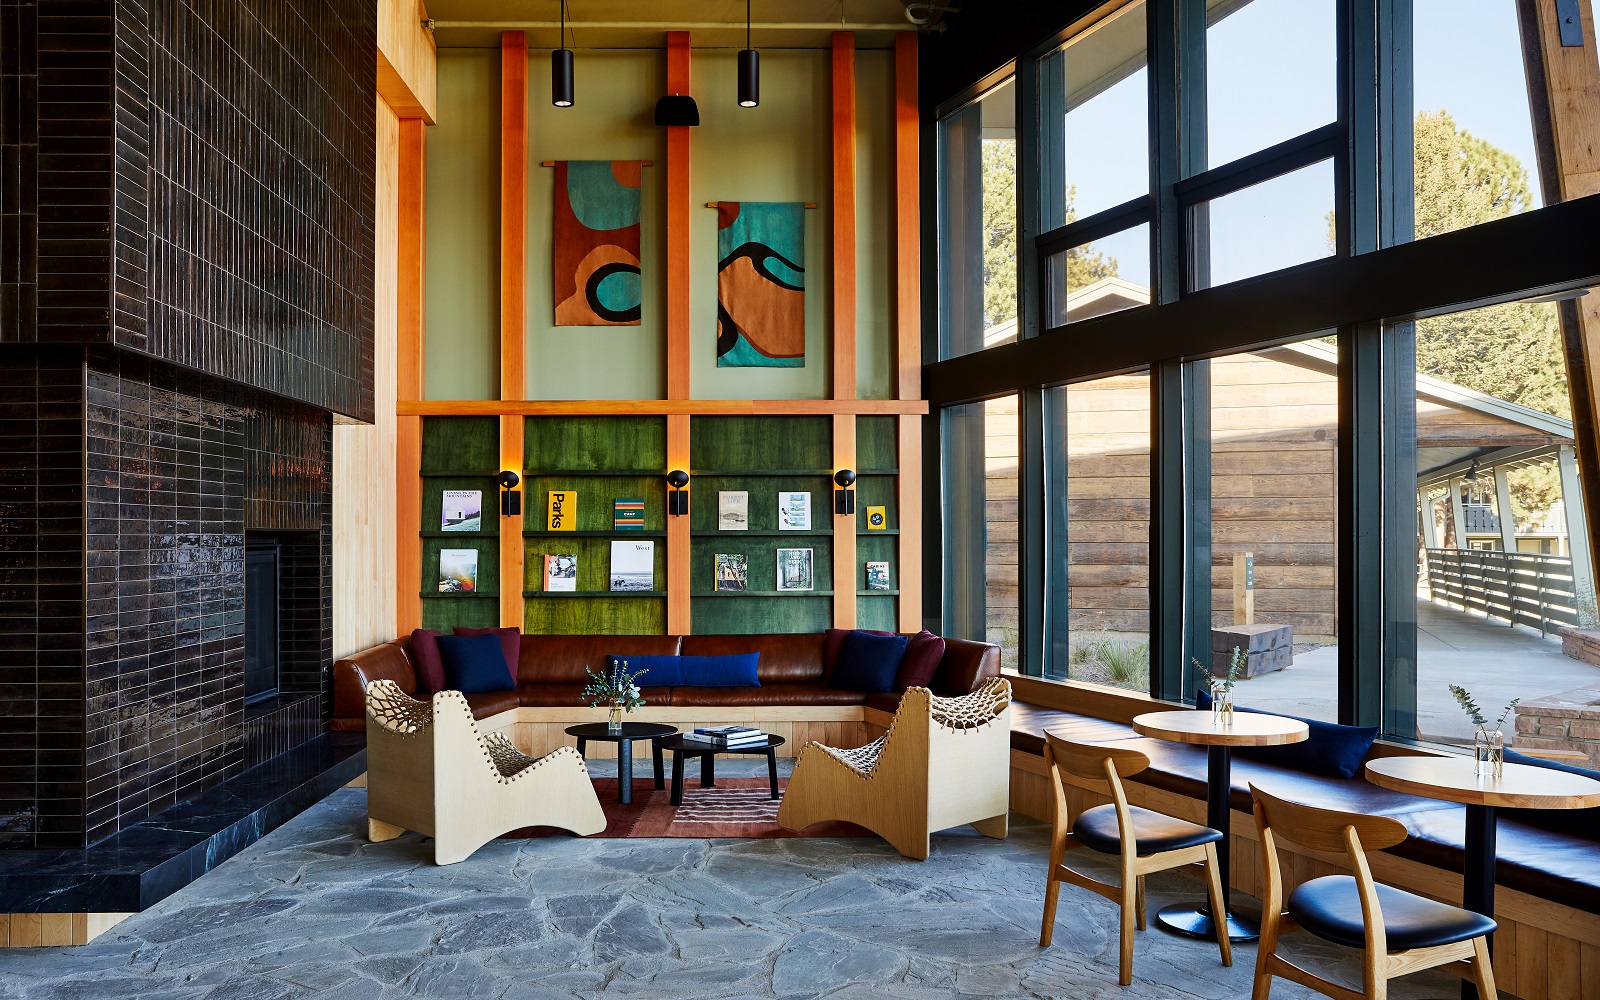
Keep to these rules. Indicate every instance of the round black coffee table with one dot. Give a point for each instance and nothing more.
(707, 753)
(631, 731)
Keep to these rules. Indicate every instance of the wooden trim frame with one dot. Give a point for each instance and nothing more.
(412, 253)
(513, 214)
(512, 549)
(844, 215)
(657, 407)
(677, 226)
(907, 222)
(679, 554)
(844, 527)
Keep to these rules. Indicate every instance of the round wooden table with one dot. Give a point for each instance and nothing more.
(1248, 729)
(1456, 779)
(652, 731)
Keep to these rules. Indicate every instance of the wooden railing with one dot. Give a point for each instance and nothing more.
(1517, 587)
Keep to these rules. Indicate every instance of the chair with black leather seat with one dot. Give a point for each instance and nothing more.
(1145, 840)
(1398, 933)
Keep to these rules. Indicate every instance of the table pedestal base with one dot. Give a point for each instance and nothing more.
(1195, 921)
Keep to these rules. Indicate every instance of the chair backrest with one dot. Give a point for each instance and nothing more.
(974, 710)
(1325, 829)
(1084, 765)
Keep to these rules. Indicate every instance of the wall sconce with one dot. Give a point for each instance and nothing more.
(677, 500)
(510, 499)
(844, 498)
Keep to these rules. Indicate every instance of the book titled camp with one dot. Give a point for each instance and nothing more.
(563, 511)
(627, 514)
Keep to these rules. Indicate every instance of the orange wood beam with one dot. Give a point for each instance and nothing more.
(844, 218)
(844, 526)
(409, 374)
(907, 222)
(679, 570)
(655, 407)
(908, 497)
(678, 225)
(513, 299)
(512, 549)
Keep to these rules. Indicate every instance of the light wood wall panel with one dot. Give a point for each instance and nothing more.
(407, 60)
(410, 241)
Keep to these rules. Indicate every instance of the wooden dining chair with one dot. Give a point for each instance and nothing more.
(1398, 933)
(1145, 840)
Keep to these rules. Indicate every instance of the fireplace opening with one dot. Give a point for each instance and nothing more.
(262, 619)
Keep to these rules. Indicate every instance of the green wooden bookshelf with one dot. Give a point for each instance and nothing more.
(460, 453)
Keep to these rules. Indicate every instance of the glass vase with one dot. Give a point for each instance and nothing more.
(1221, 702)
(1489, 752)
(614, 720)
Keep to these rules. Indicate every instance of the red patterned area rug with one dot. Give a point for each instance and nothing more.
(737, 807)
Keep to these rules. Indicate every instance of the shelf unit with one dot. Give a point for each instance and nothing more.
(877, 471)
(460, 453)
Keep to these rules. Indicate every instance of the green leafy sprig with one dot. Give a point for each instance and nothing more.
(620, 687)
(1469, 705)
(1236, 662)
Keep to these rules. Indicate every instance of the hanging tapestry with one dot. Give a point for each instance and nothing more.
(761, 297)
(597, 242)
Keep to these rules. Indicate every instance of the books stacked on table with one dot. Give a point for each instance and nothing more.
(727, 737)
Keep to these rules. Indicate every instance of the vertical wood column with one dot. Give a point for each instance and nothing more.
(409, 375)
(678, 387)
(513, 299)
(844, 526)
(908, 325)
(844, 215)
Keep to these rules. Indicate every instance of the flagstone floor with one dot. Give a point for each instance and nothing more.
(315, 910)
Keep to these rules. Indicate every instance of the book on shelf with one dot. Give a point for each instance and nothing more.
(733, 571)
(633, 565)
(877, 518)
(627, 514)
(562, 511)
(458, 571)
(561, 572)
(733, 510)
(460, 510)
(795, 569)
(877, 576)
(794, 511)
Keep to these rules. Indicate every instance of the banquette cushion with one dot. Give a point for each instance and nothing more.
(732, 670)
(475, 663)
(869, 662)
(924, 653)
(510, 642)
(425, 658)
(1331, 749)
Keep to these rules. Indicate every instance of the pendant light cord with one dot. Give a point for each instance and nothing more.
(746, 23)
(563, 40)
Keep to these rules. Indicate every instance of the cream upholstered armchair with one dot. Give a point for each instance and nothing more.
(430, 770)
(944, 762)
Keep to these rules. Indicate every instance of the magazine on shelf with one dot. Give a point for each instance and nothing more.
(794, 511)
(561, 572)
(633, 565)
(795, 569)
(458, 571)
(627, 514)
(733, 571)
(877, 576)
(733, 510)
(461, 510)
(563, 511)
(877, 519)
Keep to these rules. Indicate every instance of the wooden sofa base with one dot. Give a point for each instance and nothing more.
(54, 930)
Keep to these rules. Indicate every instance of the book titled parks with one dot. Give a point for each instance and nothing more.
(460, 510)
(458, 571)
(633, 565)
(563, 511)
(561, 572)
(733, 510)
(627, 514)
(794, 512)
(877, 576)
(795, 570)
(877, 518)
(733, 571)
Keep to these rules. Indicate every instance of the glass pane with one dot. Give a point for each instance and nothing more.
(1473, 130)
(1274, 432)
(1105, 276)
(1094, 117)
(1270, 74)
(1502, 557)
(1275, 224)
(1097, 472)
(978, 225)
(980, 516)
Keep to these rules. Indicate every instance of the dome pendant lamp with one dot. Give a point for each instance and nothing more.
(561, 88)
(749, 68)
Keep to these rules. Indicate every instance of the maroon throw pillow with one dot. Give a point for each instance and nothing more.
(833, 644)
(425, 660)
(924, 652)
(510, 641)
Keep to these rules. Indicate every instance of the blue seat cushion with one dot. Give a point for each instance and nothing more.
(658, 671)
(734, 670)
(869, 662)
(1153, 832)
(1329, 748)
(1330, 908)
(475, 663)
(1585, 821)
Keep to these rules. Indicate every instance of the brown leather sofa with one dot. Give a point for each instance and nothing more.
(793, 670)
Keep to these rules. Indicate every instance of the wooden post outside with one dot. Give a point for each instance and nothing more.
(1244, 588)
(513, 302)
(1430, 526)
(1577, 537)
(1458, 513)
(410, 244)
(844, 526)
(844, 218)
(1502, 509)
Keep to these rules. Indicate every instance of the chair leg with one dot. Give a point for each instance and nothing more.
(1483, 969)
(1052, 895)
(1219, 911)
(1140, 898)
(1130, 890)
(378, 831)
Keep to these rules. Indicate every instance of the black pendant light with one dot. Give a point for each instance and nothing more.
(749, 68)
(561, 88)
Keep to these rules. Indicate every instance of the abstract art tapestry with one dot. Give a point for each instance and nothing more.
(597, 242)
(761, 297)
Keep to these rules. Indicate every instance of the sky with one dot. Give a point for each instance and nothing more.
(1260, 91)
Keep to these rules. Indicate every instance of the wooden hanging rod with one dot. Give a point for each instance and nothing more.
(714, 204)
(551, 163)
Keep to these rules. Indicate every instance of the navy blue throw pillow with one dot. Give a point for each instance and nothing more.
(1563, 820)
(1331, 749)
(869, 662)
(659, 671)
(475, 663)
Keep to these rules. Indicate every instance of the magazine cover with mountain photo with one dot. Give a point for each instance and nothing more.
(733, 510)
(633, 565)
(460, 510)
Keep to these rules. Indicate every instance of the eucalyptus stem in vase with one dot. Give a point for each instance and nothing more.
(1222, 687)
(1488, 745)
(618, 690)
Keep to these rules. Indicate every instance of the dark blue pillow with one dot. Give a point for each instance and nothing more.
(734, 670)
(475, 663)
(1331, 749)
(869, 662)
(1563, 820)
(659, 671)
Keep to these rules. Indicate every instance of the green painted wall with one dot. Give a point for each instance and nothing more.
(463, 230)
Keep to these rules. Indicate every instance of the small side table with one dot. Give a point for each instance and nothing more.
(707, 753)
(631, 731)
